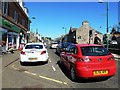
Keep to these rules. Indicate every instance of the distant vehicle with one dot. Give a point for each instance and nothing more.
(114, 45)
(88, 61)
(54, 45)
(34, 52)
(62, 46)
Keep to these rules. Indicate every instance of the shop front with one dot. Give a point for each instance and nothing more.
(3, 38)
(9, 34)
(13, 39)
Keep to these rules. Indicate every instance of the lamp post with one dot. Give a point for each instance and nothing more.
(31, 22)
(64, 29)
(28, 32)
(106, 20)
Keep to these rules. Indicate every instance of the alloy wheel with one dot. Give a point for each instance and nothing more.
(72, 74)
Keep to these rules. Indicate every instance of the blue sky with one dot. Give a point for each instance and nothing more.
(52, 16)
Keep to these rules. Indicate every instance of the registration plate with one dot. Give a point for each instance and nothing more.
(100, 72)
(32, 58)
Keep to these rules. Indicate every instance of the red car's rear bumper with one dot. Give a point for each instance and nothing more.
(86, 72)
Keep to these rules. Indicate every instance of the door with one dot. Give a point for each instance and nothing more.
(71, 56)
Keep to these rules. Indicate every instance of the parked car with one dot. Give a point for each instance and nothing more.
(62, 46)
(88, 61)
(54, 45)
(34, 52)
(114, 45)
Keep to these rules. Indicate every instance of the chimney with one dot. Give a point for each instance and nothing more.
(85, 23)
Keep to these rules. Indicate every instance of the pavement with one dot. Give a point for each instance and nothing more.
(9, 58)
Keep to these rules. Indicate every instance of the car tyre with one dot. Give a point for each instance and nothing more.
(73, 74)
(47, 61)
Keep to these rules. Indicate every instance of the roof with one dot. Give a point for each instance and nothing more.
(98, 32)
(35, 43)
(84, 45)
(72, 29)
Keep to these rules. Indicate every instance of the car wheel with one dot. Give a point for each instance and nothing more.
(73, 74)
(60, 62)
(47, 61)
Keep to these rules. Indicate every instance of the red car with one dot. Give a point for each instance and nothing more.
(88, 61)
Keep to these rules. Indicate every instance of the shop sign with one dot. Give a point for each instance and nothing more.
(10, 26)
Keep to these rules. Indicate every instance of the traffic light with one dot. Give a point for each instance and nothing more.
(90, 33)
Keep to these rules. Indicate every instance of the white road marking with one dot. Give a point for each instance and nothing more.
(50, 79)
(49, 60)
(27, 72)
(30, 73)
(13, 66)
(53, 68)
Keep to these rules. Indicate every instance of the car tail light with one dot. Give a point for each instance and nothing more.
(43, 52)
(111, 58)
(84, 59)
(22, 52)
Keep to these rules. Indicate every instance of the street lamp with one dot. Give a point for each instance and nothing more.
(28, 32)
(65, 29)
(31, 22)
(106, 19)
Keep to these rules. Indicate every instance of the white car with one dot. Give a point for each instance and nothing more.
(54, 45)
(34, 52)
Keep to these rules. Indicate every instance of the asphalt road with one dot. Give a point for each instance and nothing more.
(50, 75)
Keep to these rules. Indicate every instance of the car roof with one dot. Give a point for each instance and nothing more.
(66, 42)
(35, 43)
(85, 45)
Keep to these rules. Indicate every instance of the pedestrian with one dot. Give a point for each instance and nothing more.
(97, 40)
(10, 49)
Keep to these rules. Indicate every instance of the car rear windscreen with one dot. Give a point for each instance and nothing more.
(35, 46)
(94, 51)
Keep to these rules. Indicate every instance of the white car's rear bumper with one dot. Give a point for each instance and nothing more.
(42, 58)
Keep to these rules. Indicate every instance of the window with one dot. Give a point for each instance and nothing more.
(23, 22)
(79, 37)
(2, 7)
(15, 16)
(94, 51)
(5, 7)
(66, 44)
(34, 46)
(73, 50)
(68, 48)
(3, 37)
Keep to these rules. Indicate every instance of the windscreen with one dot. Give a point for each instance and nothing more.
(94, 51)
(35, 46)
(65, 45)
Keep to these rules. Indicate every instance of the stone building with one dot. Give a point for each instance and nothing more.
(83, 34)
